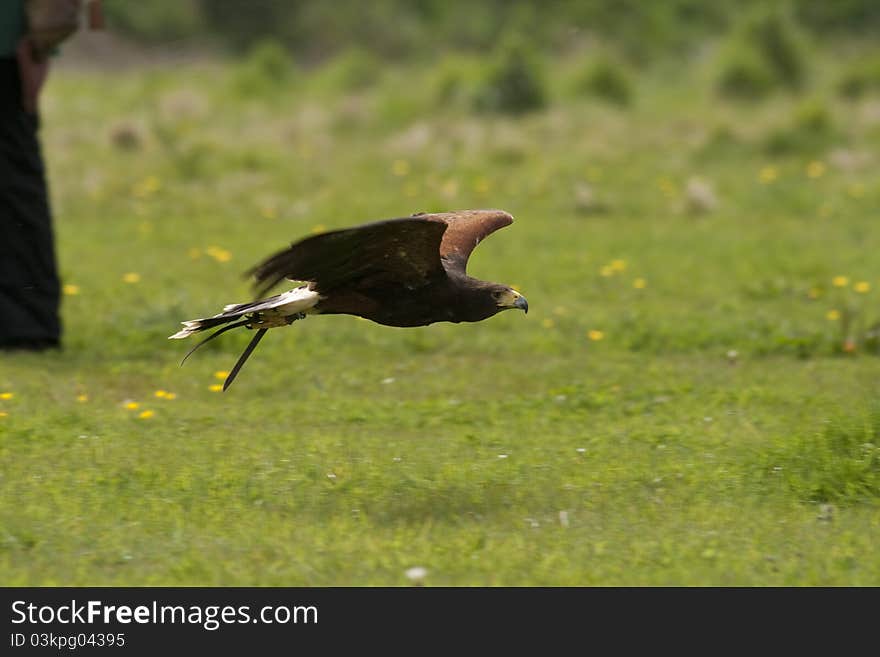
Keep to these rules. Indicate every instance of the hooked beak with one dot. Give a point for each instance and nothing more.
(510, 298)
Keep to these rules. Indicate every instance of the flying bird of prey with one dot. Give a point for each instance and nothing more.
(398, 272)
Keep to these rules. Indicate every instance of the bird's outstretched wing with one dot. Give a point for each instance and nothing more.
(466, 229)
(405, 251)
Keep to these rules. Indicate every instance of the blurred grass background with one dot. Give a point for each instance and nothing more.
(691, 400)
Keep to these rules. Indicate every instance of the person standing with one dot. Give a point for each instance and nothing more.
(29, 283)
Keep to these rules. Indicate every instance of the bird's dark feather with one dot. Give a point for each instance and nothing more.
(405, 251)
(410, 251)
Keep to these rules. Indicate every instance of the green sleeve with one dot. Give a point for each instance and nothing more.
(12, 25)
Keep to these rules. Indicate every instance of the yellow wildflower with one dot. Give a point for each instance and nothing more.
(146, 415)
(666, 186)
(6, 395)
(400, 168)
(82, 398)
(862, 287)
(449, 189)
(815, 169)
(216, 387)
(146, 187)
(840, 281)
(618, 265)
(832, 315)
(219, 254)
(768, 174)
(131, 277)
(70, 290)
(595, 335)
(856, 190)
(640, 283)
(221, 374)
(4, 414)
(132, 405)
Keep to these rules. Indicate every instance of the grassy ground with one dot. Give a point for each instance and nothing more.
(690, 401)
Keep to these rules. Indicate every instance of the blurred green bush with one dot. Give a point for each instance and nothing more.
(606, 79)
(809, 130)
(454, 80)
(767, 51)
(266, 67)
(744, 75)
(860, 79)
(514, 83)
(354, 69)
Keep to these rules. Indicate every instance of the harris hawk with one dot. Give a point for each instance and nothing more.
(397, 272)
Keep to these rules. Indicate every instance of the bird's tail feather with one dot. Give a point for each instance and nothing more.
(279, 310)
(216, 333)
(275, 309)
(197, 325)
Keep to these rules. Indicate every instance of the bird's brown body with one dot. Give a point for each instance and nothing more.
(399, 272)
(446, 300)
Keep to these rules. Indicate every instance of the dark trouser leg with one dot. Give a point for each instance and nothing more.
(29, 286)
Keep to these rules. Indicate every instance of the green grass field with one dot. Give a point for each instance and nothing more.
(692, 400)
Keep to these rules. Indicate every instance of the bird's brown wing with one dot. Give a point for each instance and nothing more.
(404, 251)
(466, 229)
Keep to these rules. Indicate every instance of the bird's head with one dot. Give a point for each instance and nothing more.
(506, 298)
(484, 299)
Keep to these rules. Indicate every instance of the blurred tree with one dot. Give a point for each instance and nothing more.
(243, 24)
(859, 16)
(157, 20)
(314, 29)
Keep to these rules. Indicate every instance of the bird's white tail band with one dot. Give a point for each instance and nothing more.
(268, 313)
